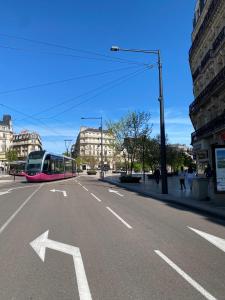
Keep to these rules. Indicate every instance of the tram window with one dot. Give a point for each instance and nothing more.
(68, 165)
(46, 165)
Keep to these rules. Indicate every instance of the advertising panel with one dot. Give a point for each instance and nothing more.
(219, 156)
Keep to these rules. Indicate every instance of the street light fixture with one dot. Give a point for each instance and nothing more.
(102, 164)
(162, 119)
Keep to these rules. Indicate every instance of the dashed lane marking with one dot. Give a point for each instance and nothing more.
(118, 217)
(191, 281)
(99, 200)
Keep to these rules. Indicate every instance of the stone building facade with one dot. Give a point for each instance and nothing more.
(6, 137)
(88, 145)
(207, 63)
(25, 142)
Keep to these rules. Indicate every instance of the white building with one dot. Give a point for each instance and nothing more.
(6, 136)
(25, 142)
(207, 63)
(88, 147)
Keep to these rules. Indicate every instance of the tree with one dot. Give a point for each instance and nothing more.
(152, 153)
(91, 160)
(11, 155)
(128, 133)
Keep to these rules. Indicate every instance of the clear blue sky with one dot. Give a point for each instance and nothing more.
(102, 82)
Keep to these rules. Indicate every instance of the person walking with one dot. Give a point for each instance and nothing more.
(208, 171)
(157, 175)
(182, 175)
(190, 176)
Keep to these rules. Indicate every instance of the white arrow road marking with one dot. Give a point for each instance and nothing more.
(64, 192)
(191, 281)
(5, 192)
(42, 242)
(216, 241)
(118, 217)
(116, 192)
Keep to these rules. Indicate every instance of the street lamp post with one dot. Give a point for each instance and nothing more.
(102, 163)
(162, 119)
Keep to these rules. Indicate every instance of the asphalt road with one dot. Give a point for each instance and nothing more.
(104, 242)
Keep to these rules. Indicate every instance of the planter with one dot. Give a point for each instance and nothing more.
(129, 179)
(91, 172)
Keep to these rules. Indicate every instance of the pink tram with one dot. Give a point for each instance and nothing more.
(45, 166)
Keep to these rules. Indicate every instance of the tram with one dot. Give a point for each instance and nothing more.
(45, 166)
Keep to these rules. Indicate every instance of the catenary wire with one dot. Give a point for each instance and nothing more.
(63, 80)
(106, 89)
(90, 98)
(72, 55)
(91, 91)
(68, 48)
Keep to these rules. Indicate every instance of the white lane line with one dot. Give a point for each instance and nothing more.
(99, 200)
(19, 209)
(118, 217)
(191, 281)
(84, 188)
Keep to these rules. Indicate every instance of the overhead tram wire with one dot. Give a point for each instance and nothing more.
(71, 55)
(91, 91)
(63, 80)
(94, 96)
(106, 89)
(69, 48)
(121, 80)
(45, 126)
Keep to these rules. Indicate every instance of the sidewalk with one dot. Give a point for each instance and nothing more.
(152, 189)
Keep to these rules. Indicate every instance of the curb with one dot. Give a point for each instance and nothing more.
(209, 211)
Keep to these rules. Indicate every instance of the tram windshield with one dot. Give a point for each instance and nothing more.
(34, 161)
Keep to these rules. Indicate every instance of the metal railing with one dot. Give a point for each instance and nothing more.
(209, 128)
(217, 82)
(211, 12)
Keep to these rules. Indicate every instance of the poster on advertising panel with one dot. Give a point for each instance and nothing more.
(220, 169)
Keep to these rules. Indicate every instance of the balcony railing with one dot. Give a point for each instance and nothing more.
(218, 41)
(196, 73)
(209, 91)
(209, 128)
(206, 58)
(211, 12)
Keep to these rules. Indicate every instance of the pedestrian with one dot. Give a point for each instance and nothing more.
(157, 175)
(182, 175)
(190, 176)
(208, 171)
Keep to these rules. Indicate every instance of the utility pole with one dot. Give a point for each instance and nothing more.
(67, 144)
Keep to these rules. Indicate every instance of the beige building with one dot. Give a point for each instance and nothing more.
(25, 142)
(88, 147)
(207, 63)
(6, 137)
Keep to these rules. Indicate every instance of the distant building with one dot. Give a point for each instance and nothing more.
(6, 136)
(25, 142)
(207, 63)
(88, 145)
(184, 148)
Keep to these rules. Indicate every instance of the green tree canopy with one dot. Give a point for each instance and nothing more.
(11, 155)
